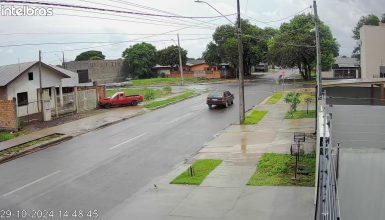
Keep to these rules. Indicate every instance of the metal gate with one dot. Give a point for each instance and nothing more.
(87, 99)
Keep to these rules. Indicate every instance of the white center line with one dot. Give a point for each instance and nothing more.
(125, 142)
(31, 183)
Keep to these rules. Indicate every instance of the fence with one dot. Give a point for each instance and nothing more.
(327, 201)
(197, 74)
(87, 99)
(69, 104)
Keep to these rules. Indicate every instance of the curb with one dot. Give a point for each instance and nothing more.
(37, 147)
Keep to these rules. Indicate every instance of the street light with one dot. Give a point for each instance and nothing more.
(240, 58)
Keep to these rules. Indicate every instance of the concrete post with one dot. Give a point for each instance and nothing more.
(53, 93)
(61, 95)
(76, 99)
(382, 94)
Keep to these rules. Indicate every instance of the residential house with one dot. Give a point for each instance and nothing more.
(162, 71)
(368, 87)
(99, 71)
(346, 68)
(22, 83)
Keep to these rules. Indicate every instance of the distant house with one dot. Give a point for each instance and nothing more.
(22, 83)
(100, 71)
(346, 68)
(162, 71)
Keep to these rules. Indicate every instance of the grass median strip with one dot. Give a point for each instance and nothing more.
(163, 103)
(278, 170)
(300, 114)
(200, 170)
(274, 99)
(18, 149)
(255, 117)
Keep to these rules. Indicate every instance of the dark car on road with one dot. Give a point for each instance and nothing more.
(220, 98)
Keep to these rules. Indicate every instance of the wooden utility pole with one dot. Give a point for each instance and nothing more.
(318, 48)
(240, 69)
(180, 62)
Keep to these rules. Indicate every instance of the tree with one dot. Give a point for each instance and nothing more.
(383, 18)
(211, 54)
(294, 45)
(90, 55)
(293, 99)
(170, 56)
(364, 20)
(140, 59)
(224, 47)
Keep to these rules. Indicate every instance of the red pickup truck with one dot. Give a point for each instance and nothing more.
(119, 99)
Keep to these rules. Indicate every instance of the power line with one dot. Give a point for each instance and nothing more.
(150, 36)
(95, 33)
(153, 9)
(282, 19)
(108, 10)
(92, 42)
(130, 21)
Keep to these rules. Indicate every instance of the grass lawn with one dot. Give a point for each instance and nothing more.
(300, 114)
(4, 136)
(202, 168)
(26, 146)
(163, 103)
(254, 117)
(305, 95)
(274, 99)
(139, 91)
(168, 81)
(278, 169)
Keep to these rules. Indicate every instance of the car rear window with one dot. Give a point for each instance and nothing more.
(216, 94)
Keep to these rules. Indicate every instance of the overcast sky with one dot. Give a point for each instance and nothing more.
(340, 15)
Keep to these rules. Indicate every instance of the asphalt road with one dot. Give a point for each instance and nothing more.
(100, 169)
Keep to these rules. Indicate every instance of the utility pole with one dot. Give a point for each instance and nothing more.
(318, 47)
(63, 65)
(41, 87)
(240, 69)
(180, 62)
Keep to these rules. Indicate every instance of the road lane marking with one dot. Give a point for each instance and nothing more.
(179, 118)
(125, 142)
(31, 183)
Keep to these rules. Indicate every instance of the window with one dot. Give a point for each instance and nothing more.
(22, 98)
(30, 76)
(83, 76)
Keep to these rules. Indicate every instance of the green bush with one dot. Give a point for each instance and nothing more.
(167, 89)
(149, 94)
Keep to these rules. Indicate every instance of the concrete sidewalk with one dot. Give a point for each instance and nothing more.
(224, 194)
(80, 126)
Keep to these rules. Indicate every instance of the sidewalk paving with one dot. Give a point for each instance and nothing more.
(224, 193)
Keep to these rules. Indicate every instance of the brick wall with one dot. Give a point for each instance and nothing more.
(101, 92)
(8, 119)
